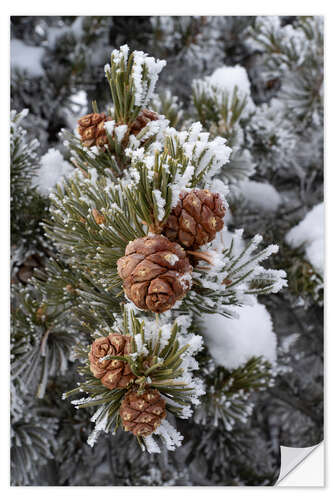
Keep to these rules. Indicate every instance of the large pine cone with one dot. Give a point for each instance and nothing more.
(112, 372)
(92, 131)
(143, 118)
(142, 414)
(156, 273)
(196, 218)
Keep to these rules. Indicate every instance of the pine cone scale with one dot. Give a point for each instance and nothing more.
(187, 223)
(160, 286)
(147, 270)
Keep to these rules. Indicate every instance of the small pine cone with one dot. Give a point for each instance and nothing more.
(141, 414)
(112, 372)
(156, 273)
(98, 217)
(196, 219)
(92, 131)
(26, 269)
(144, 117)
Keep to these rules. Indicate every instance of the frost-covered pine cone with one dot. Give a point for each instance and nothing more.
(141, 414)
(196, 218)
(156, 273)
(144, 117)
(92, 131)
(112, 372)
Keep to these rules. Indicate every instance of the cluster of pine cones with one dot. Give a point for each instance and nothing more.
(140, 413)
(156, 270)
(92, 131)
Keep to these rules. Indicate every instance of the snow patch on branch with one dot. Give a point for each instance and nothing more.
(232, 342)
(260, 195)
(310, 233)
(53, 169)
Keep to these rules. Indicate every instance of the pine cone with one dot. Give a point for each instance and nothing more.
(142, 414)
(112, 372)
(26, 269)
(156, 273)
(196, 219)
(92, 131)
(143, 118)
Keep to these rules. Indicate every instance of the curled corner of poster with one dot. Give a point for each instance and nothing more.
(302, 467)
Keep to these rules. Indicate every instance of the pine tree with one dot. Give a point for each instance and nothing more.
(129, 316)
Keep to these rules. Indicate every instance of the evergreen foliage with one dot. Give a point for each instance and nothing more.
(219, 128)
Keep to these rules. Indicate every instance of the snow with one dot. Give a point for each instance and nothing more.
(185, 280)
(202, 153)
(291, 40)
(26, 57)
(54, 33)
(122, 54)
(226, 80)
(151, 445)
(260, 195)
(180, 183)
(232, 342)
(228, 77)
(120, 132)
(160, 203)
(145, 86)
(137, 78)
(272, 129)
(184, 322)
(77, 27)
(172, 102)
(80, 99)
(53, 169)
(310, 233)
(109, 126)
(78, 106)
(236, 237)
(217, 186)
(186, 413)
(170, 435)
(154, 127)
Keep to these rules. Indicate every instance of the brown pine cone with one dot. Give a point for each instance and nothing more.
(143, 118)
(26, 269)
(92, 131)
(156, 273)
(196, 219)
(142, 414)
(112, 372)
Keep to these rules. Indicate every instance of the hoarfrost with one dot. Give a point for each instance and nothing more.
(160, 202)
